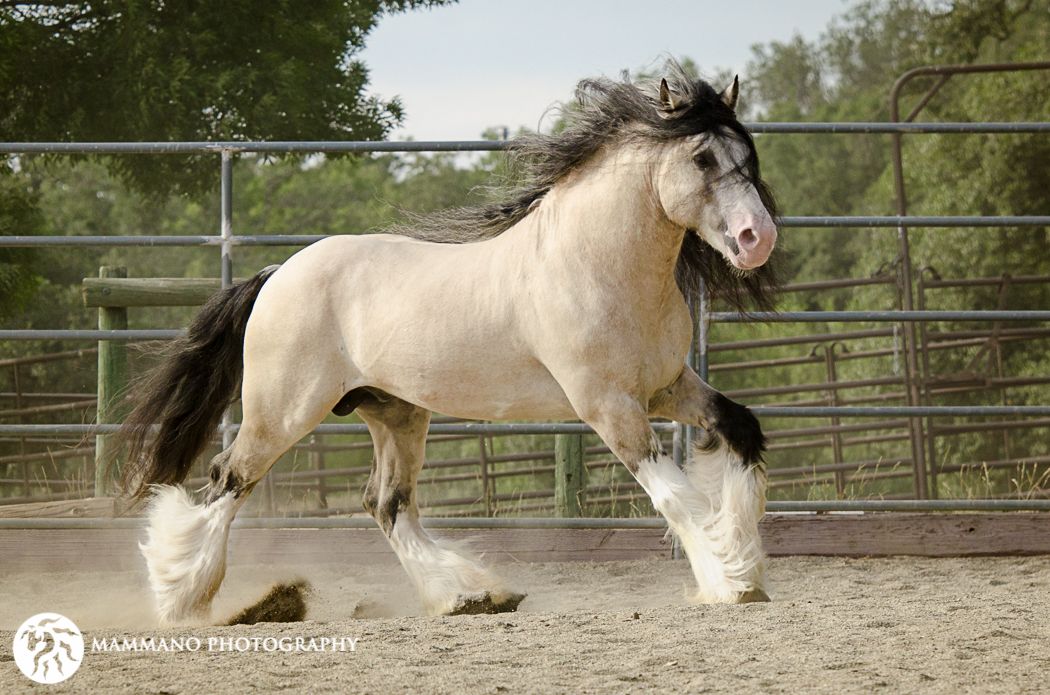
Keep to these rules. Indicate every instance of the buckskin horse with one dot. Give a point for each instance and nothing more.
(566, 300)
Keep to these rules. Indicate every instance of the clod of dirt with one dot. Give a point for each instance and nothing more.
(368, 607)
(284, 603)
(478, 605)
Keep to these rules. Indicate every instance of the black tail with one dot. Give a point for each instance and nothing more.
(187, 394)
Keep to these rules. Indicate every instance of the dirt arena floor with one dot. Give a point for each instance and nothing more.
(835, 625)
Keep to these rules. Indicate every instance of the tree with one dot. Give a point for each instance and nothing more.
(179, 70)
(846, 75)
(186, 70)
(19, 214)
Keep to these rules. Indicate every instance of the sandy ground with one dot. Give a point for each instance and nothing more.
(835, 625)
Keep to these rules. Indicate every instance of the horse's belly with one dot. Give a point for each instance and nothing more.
(438, 326)
(469, 390)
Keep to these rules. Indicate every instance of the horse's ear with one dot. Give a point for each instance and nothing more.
(669, 103)
(730, 93)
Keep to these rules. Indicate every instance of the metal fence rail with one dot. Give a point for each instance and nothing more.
(338, 146)
(715, 316)
(814, 222)
(481, 428)
(877, 316)
(783, 507)
(92, 334)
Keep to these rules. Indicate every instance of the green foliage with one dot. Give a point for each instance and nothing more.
(18, 215)
(180, 70)
(847, 75)
(120, 70)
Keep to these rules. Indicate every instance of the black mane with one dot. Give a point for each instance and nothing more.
(605, 110)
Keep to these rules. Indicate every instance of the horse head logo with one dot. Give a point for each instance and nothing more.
(48, 648)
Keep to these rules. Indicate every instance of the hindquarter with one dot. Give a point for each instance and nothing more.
(295, 362)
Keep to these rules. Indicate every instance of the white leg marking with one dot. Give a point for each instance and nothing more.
(445, 576)
(738, 496)
(185, 552)
(714, 510)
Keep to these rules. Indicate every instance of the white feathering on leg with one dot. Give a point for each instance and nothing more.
(443, 573)
(737, 500)
(185, 552)
(714, 510)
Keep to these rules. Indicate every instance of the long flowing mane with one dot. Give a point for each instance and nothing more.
(607, 110)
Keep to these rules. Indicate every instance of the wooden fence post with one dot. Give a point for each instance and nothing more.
(569, 474)
(486, 481)
(317, 454)
(112, 383)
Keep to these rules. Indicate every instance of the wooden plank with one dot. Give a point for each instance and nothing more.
(126, 292)
(52, 550)
(266, 546)
(569, 474)
(931, 535)
(75, 509)
(69, 550)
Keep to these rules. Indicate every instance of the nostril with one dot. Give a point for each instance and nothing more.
(747, 239)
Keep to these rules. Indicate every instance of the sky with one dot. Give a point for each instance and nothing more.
(487, 63)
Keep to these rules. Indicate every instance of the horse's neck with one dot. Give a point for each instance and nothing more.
(608, 219)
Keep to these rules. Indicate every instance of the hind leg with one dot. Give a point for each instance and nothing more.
(448, 580)
(186, 542)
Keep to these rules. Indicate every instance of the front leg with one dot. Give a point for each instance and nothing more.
(726, 467)
(718, 539)
(690, 401)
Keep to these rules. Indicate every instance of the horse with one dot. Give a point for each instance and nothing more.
(569, 299)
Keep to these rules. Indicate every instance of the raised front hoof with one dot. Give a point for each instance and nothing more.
(485, 603)
(753, 596)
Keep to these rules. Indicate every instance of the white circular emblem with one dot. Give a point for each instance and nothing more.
(48, 648)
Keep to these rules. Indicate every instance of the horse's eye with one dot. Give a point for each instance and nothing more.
(704, 160)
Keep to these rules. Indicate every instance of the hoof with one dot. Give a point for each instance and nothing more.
(484, 603)
(753, 596)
